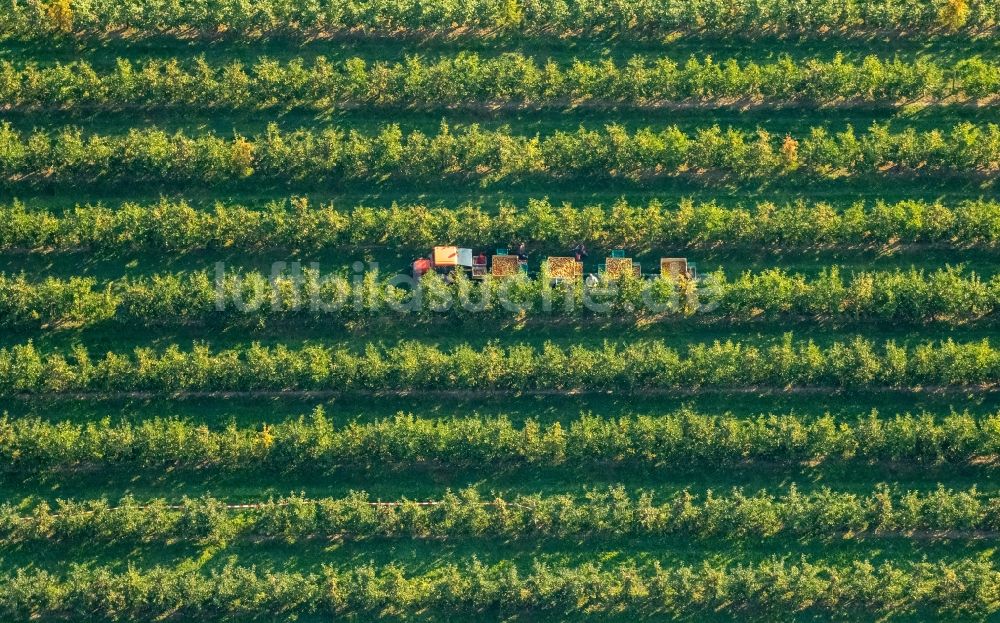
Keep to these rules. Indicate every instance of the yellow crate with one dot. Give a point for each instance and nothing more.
(505, 266)
(565, 268)
(673, 267)
(615, 267)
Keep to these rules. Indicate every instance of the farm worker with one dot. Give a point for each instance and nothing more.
(591, 280)
(580, 252)
(481, 259)
(522, 253)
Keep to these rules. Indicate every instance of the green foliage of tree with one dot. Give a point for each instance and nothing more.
(467, 79)
(177, 227)
(621, 18)
(332, 156)
(679, 438)
(944, 295)
(414, 365)
(964, 589)
(599, 513)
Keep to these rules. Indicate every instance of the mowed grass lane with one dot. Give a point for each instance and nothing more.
(430, 483)
(449, 334)
(218, 413)
(390, 261)
(424, 556)
(105, 52)
(778, 120)
(839, 193)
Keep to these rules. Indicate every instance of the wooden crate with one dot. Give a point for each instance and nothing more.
(565, 268)
(505, 266)
(615, 267)
(673, 267)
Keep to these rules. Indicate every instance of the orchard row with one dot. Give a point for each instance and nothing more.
(610, 513)
(644, 365)
(654, 19)
(469, 80)
(225, 296)
(333, 155)
(956, 590)
(176, 227)
(319, 444)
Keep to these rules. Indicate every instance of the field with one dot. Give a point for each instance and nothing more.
(222, 397)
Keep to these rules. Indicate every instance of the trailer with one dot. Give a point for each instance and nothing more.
(444, 260)
(480, 266)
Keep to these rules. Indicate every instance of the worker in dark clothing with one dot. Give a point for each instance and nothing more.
(580, 252)
(522, 252)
